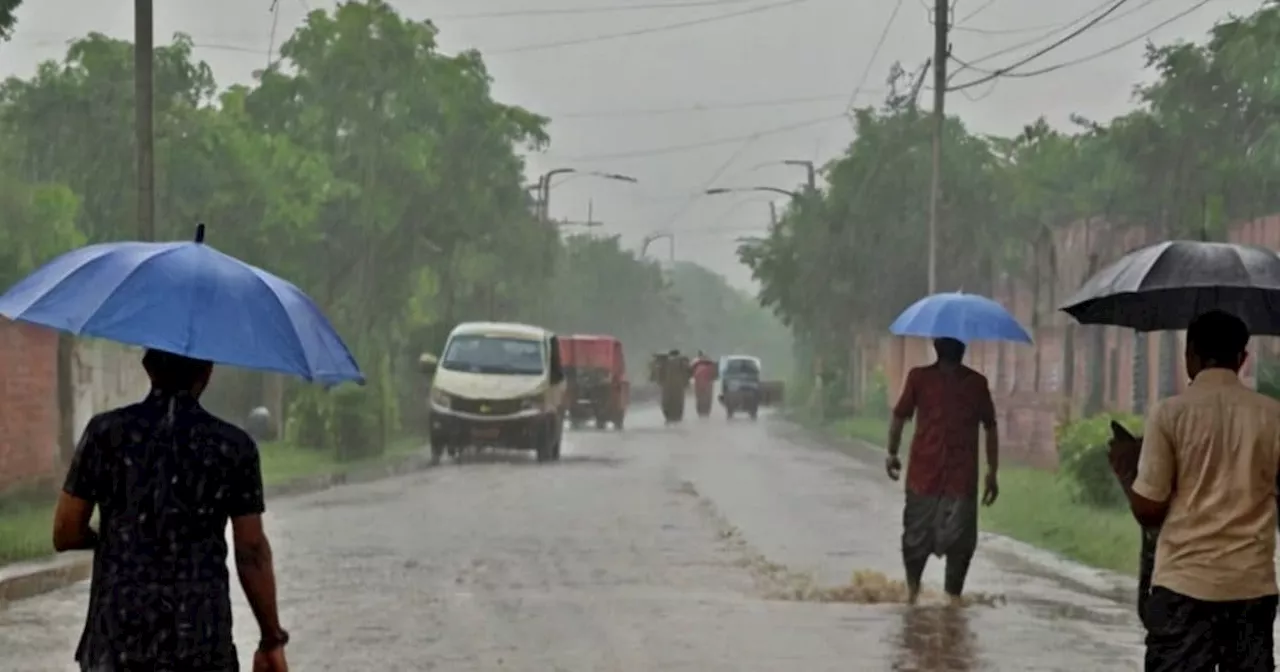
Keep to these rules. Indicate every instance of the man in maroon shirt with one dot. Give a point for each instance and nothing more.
(949, 401)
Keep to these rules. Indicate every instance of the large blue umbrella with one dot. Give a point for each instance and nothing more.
(185, 298)
(964, 317)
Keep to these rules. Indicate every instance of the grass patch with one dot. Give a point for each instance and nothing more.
(1036, 507)
(283, 462)
(26, 518)
(26, 529)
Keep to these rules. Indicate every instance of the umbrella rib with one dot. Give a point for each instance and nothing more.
(293, 333)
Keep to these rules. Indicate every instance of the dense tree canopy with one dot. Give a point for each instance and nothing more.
(373, 170)
(1200, 151)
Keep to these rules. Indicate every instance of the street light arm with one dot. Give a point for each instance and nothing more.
(776, 190)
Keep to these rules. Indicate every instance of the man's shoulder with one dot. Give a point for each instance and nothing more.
(231, 439)
(117, 419)
(974, 375)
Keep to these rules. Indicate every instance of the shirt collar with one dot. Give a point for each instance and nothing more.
(1216, 378)
(181, 399)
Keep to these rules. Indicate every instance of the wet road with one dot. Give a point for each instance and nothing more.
(652, 549)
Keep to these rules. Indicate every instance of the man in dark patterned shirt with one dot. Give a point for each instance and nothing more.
(166, 476)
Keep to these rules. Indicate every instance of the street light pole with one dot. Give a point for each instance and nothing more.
(810, 172)
(544, 184)
(143, 78)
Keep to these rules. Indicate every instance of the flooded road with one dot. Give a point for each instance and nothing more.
(651, 549)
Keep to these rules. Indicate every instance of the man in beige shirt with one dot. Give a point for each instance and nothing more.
(1206, 476)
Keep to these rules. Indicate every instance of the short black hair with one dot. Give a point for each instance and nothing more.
(949, 350)
(174, 373)
(1218, 337)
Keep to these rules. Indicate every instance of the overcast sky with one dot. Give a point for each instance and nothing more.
(690, 94)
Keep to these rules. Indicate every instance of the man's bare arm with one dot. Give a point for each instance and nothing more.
(992, 434)
(257, 573)
(71, 531)
(896, 424)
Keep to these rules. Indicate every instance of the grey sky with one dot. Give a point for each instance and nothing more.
(623, 104)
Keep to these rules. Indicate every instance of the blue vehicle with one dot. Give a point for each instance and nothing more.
(740, 385)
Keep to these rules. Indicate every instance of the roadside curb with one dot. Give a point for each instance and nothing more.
(23, 580)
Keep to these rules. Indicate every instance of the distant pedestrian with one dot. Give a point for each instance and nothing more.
(1204, 474)
(166, 476)
(674, 374)
(949, 402)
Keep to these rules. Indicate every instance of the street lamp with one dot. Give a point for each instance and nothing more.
(737, 190)
(544, 184)
(651, 238)
(810, 172)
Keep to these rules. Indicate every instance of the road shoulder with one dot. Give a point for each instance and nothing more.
(23, 580)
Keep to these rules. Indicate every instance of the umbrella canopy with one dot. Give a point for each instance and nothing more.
(1165, 286)
(964, 317)
(185, 298)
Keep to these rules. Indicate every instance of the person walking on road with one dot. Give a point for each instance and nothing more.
(166, 476)
(1205, 474)
(949, 402)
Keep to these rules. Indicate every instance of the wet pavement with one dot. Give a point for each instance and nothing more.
(640, 551)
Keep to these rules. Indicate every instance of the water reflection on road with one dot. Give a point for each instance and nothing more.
(934, 639)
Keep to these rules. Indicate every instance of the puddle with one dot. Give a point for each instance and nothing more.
(869, 587)
(522, 459)
(935, 639)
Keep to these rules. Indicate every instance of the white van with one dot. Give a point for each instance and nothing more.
(498, 384)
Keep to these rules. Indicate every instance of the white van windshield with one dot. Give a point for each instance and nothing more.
(500, 356)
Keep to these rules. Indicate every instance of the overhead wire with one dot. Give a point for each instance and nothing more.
(1113, 48)
(676, 149)
(780, 4)
(981, 8)
(698, 107)
(866, 73)
(602, 9)
(1115, 5)
(1096, 21)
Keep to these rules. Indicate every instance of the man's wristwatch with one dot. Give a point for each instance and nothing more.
(274, 641)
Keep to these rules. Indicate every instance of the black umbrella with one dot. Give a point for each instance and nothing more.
(1165, 286)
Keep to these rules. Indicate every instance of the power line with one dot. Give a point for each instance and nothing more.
(562, 11)
(1115, 5)
(1113, 48)
(643, 31)
(866, 71)
(675, 149)
(699, 107)
(1055, 30)
(981, 8)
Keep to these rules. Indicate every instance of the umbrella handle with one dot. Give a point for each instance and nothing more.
(200, 232)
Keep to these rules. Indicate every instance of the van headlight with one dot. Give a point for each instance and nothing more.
(531, 403)
(441, 398)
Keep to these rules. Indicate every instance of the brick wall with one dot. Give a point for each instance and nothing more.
(103, 375)
(1037, 387)
(28, 404)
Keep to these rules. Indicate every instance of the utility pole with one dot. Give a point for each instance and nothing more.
(773, 213)
(143, 47)
(940, 57)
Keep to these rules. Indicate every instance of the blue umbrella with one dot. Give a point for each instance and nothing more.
(185, 298)
(964, 317)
